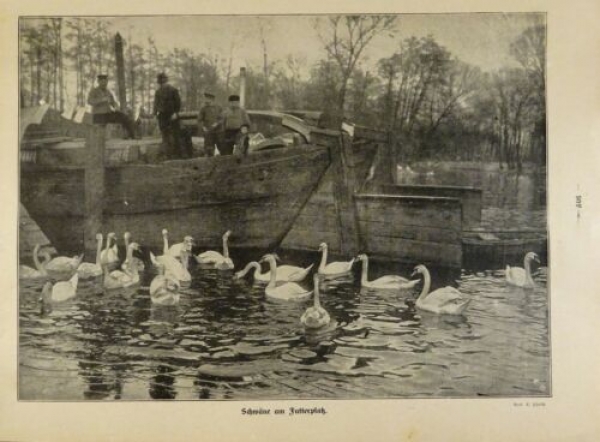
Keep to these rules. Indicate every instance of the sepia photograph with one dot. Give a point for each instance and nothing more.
(283, 207)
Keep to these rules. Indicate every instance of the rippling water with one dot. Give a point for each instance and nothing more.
(226, 341)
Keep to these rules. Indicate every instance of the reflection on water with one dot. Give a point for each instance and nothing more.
(226, 341)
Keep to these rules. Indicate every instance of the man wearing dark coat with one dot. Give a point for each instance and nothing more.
(104, 107)
(167, 104)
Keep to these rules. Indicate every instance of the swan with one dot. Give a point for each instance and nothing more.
(172, 266)
(136, 261)
(88, 270)
(164, 289)
(62, 267)
(388, 282)
(443, 301)
(338, 268)
(220, 261)
(287, 291)
(315, 316)
(118, 279)
(28, 273)
(60, 291)
(176, 249)
(521, 277)
(110, 255)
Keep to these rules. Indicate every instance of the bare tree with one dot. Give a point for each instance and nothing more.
(345, 39)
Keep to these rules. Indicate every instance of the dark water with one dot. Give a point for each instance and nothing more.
(226, 341)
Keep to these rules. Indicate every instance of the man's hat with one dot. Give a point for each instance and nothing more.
(209, 95)
(102, 76)
(162, 76)
(234, 98)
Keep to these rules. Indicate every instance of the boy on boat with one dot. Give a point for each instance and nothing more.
(104, 107)
(208, 123)
(236, 124)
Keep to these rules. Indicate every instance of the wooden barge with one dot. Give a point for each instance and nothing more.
(323, 186)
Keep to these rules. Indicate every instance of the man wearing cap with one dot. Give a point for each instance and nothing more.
(167, 104)
(208, 123)
(236, 124)
(104, 107)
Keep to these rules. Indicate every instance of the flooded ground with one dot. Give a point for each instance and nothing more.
(226, 341)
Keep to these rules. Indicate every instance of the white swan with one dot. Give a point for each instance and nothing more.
(110, 254)
(118, 279)
(172, 266)
(315, 316)
(176, 249)
(287, 291)
(521, 277)
(388, 282)
(88, 270)
(136, 261)
(62, 267)
(60, 291)
(339, 268)
(220, 261)
(28, 273)
(164, 289)
(443, 301)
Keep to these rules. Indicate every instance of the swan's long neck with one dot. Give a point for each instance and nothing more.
(108, 241)
(98, 250)
(426, 285)
(528, 276)
(165, 244)
(225, 247)
(317, 303)
(249, 266)
(36, 260)
(364, 279)
(132, 269)
(273, 265)
(323, 259)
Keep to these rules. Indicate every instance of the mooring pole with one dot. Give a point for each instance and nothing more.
(94, 186)
(344, 186)
(120, 71)
(242, 87)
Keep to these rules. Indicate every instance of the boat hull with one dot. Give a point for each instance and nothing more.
(258, 197)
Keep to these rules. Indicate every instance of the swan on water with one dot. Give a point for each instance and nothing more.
(285, 273)
(60, 291)
(315, 316)
(118, 279)
(88, 270)
(110, 254)
(220, 261)
(286, 291)
(62, 267)
(136, 261)
(388, 282)
(443, 301)
(173, 267)
(338, 268)
(164, 289)
(521, 277)
(28, 273)
(176, 249)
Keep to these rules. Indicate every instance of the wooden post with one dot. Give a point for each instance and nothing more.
(243, 87)
(344, 184)
(120, 71)
(94, 186)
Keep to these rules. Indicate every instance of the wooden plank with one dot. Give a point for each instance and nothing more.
(415, 251)
(433, 213)
(401, 231)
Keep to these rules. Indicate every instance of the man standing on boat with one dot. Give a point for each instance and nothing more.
(208, 122)
(236, 124)
(167, 104)
(104, 107)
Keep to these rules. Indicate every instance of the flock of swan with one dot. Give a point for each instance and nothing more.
(281, 281)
